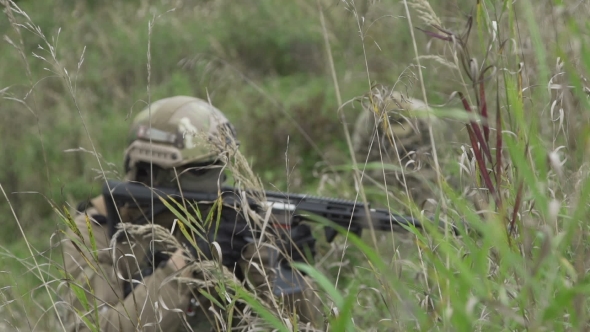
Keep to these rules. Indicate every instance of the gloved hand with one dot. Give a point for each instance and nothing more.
(231, 234)
(297, 242)
(153, 261)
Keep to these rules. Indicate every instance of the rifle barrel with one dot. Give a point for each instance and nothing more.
(340, 211)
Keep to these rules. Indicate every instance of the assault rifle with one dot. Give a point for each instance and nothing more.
(287, 208)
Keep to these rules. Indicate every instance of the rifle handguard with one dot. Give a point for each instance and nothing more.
(288, 207)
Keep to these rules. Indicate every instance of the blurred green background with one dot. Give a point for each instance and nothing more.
(82, 71)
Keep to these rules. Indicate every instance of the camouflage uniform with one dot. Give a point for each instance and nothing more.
(390, 120)
(97, 279)
(95, 273)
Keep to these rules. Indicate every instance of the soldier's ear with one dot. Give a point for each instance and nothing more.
(126, 166)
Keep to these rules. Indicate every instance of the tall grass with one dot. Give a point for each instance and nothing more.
(513, 74)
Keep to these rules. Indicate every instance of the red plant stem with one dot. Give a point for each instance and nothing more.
(498, 146)
(481, 164)
(476, 129)
(516, 207)
(484, 110)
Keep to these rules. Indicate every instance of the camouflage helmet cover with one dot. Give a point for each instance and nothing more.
(180, 131)
(401, 111)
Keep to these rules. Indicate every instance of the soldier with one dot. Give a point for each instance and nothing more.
(391, 135)
(126, 283)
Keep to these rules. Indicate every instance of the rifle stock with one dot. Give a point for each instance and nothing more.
(286, 207)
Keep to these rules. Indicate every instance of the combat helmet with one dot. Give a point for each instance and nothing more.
(177, 135)
(388, 112)
(391, 125)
